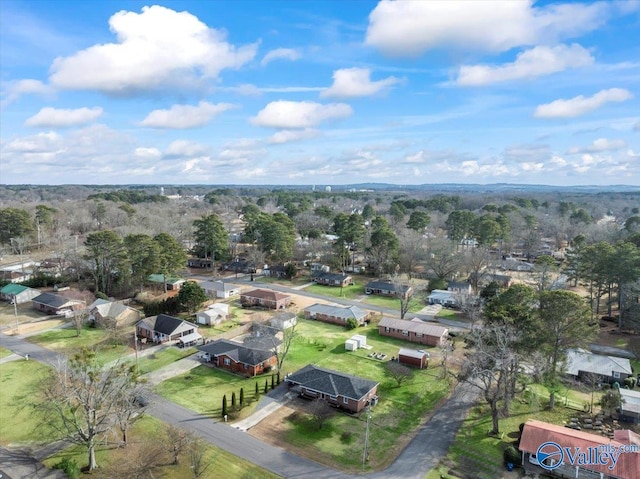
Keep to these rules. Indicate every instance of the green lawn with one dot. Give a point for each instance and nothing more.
(447, 314)
(202, 389)
(348, 292)
(163, 358)
(148, 429)
(21, 420)
(66, 340)
(393, 303)
(5, 352)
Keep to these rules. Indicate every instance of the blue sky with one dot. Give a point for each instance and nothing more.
(324, 93)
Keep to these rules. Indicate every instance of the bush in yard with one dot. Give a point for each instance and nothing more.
(233, 400)
(346, 437)
(273, 382)
(511, 455)
(241, 397)
(70, 467)
(266, 386)
(257, 393)
(352, 323)
(224, 405)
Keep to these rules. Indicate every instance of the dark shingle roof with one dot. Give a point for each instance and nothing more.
(236, 351)
(163, 323)
(53, 300)
(331, 382)
(388, 286)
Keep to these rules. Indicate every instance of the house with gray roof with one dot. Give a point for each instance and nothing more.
(581, 363)
(336, 314)
(388, 288)
(219, 289)
(164, 328)
(331, 279)
(341, 390)
(415, 331)
(102, 311)
(52, 303)
(238, 358)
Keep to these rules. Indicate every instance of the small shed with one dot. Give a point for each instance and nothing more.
(413, 357)
(351, 345)
(360, 340)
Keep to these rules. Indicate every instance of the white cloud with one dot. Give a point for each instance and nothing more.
(16, 89)
(185, 148)
(155, 48)
(601, 144)
(299, 114)
(60, 118)
(415, 158)
(538, 61)
(581, 105)
(147, 153)
(33, 144)
(280, 54)
(356, 82)
(287, 136)
(400, 28)
(180, 117)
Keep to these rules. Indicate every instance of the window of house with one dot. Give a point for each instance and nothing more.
(616, 374)
(418, 335)
(345, 400)
(386, 330)
(227, 361)
(405, 333)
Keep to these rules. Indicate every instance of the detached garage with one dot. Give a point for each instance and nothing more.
(412, 357)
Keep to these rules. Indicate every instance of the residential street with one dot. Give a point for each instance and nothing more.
(423, 452)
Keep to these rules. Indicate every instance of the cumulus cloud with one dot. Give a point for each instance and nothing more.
(15, 90)
(581, 105)
(399, 28)
(186, 149)
(61, 118)
(280, 54)
(180, 117)
(356, 82)
(287, 136)
(154, 48)
(601, 144)
(538, 61)
(299, 114)
(147, 153)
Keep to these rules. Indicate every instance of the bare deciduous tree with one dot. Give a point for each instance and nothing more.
(320, 412)
(177, 441)
(399, 372)
(197, 452)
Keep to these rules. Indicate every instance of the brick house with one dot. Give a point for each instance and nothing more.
(338, 389)
(388, 288)
(336, 314)
(415, 331)
(52, 303)
(265, 298)
(238, 358)
(331, 279)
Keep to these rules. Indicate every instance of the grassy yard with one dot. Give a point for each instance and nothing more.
(5, 352)
(66, 340)
(149, 430)
(448, 314)
(393, 303)
(348, 292)
(202, 389)
(21, 420)
(163, 358)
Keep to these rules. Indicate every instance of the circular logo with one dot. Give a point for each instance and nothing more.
(549, 455)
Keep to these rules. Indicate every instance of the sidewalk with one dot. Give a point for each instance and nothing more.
(174, 369)
(268, 405)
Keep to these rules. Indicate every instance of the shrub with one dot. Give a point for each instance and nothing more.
(511, 455)
(346, 437)
(352, 323)
(69, 466)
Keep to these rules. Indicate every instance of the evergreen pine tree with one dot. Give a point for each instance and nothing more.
(224, 405)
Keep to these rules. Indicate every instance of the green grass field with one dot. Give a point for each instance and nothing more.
(163, 358)
(21, 420)
(66, 340)
(148, 429)
(348, 292)
(5, 352)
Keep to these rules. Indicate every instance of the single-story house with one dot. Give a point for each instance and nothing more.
(282, 321)
(15, 276)
(275, 271)
(482, 279)
(164, 328)
(338, 389)
(111, 311)
(241, 266)
(173, 284)
(630, 409)
(336, 314)
(442, 297)
(550, 444)
(18, 293)
(219, 289)
(199, 263)
(331, 279)
(413, 357)
(215, 314)
(388, 288)
(52, 303)
(238, 358)
(265, 298)
(415, 331)
(608, 368)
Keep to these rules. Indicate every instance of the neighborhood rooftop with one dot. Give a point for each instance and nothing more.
(419, 327)
(337, 311)
(588, 362)
(332, 382)
(163, 323)
(236, 351)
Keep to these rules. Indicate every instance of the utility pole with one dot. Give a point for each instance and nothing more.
(365, 453)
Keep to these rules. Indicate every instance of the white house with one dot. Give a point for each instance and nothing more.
(219, 289)
(216, 314)
(284, 321)
(443, 297)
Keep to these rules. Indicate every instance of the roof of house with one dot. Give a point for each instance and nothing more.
(217, 286)
(442, 294)
(588, 362)
(536, 433)
(413, 353)
(54, 300)
(329, 276)
(159, 278)
(236, 351)
(458, 285)
(332, 382)
(420, 327)
(387, 286)
(491, 277)
(4, 274)
(265, 294)
(163, 323)
(345, 312)
(109, 309)
(630, 400)
(13, 289)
